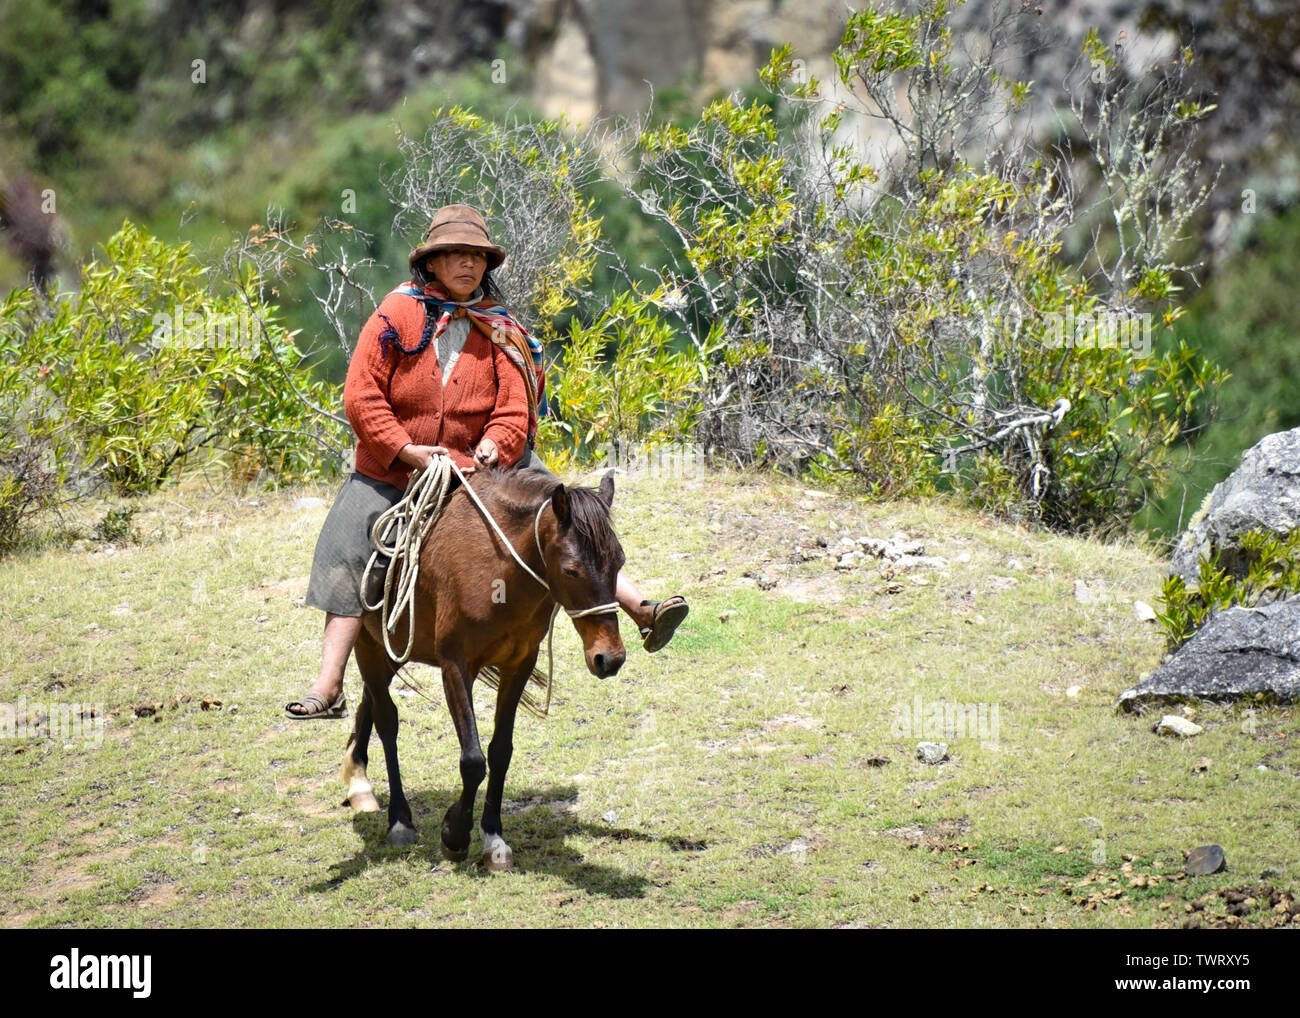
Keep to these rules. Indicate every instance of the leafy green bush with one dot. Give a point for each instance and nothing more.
(143, 367)
(901, 323)
(1267, 568)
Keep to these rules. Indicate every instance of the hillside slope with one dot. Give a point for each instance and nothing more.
(761, 771)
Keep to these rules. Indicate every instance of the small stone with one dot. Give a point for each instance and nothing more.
(1172, 724)
(309, 503)
(1203, 861)
(963, 558)
(1073, 691)
(610, 817)
(932, 752)
(1082, 594)
(110, 550)
(1015, 563)
(236, 812)
(1144, 612)
(1203, 764)
(846, 561)
(233, 708)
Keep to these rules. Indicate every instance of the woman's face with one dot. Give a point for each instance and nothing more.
(459, 270)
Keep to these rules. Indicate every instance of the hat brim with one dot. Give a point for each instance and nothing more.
(495, 254)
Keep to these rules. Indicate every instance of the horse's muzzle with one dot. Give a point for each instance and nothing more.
(605, 664)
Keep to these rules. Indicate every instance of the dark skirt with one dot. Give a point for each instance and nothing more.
(344, 547)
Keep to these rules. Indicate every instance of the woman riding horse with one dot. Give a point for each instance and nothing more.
(439, 368)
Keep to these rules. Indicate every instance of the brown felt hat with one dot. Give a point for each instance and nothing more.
(458, 226)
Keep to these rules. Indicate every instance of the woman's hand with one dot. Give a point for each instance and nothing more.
(486, 454)
(420, 456)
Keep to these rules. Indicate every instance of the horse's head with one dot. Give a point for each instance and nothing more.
(582, 563)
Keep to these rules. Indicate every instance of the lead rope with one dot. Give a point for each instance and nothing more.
(412, 518)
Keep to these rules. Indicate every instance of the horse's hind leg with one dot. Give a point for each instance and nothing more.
(361, 795)
(496, 853)
(458, 822)
(377, 669)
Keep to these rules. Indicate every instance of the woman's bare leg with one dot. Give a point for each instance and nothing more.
(640, 610)
(341, 632)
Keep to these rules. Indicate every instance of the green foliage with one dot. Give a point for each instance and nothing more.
(895, 325)
(622, 380)
(141, 368)
(1266, 568)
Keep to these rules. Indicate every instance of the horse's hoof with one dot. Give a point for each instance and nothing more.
(497, 856)
(363, 802)
(400, 835)
(455, 855)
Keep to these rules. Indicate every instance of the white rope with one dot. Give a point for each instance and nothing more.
(399, 534)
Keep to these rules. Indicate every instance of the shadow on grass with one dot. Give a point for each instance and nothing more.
(537, 833)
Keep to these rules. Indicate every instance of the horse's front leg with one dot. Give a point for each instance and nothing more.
(458, 822)
(496, 853)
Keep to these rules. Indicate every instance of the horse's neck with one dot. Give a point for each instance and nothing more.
(517, 521)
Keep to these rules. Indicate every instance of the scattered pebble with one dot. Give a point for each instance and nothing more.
(309, 503)
(1172, 724)
(932, 752)
(1144, 612)
(1205, 860)
(610, 817)
(1073, 691)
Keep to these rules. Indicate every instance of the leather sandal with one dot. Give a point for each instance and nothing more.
(668, 615)
(317, 707)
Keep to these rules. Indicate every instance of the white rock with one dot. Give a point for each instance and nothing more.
(1073, 691)
(1143, 611)
(932, 752)
(1082, 594)
(309, 502)
(1172, 724)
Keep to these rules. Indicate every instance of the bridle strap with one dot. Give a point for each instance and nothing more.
(600, 609)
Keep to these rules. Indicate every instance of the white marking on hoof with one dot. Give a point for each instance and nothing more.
(361, 794)
(399, 835)
(496, 853)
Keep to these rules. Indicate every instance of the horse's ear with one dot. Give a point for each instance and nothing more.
(607, 488)
(560, 503)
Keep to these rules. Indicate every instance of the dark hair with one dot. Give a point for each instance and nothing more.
(491, 291)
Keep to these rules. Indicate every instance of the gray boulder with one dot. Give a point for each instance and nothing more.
(1261, 494)
(1240, 652)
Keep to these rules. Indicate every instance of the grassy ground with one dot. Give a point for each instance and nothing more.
(761, 771)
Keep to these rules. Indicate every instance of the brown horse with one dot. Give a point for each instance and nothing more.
(475, 608)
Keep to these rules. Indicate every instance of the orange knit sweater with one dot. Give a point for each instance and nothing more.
(395, 399)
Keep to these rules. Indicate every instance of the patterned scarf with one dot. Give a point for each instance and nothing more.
(495, 322)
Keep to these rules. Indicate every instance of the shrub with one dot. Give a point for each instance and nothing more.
(1266, 568)
(143, 367)
(901, 323)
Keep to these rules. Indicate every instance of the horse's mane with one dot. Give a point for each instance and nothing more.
(523, 492)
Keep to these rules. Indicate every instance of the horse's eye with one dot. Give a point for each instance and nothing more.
(573, 571)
